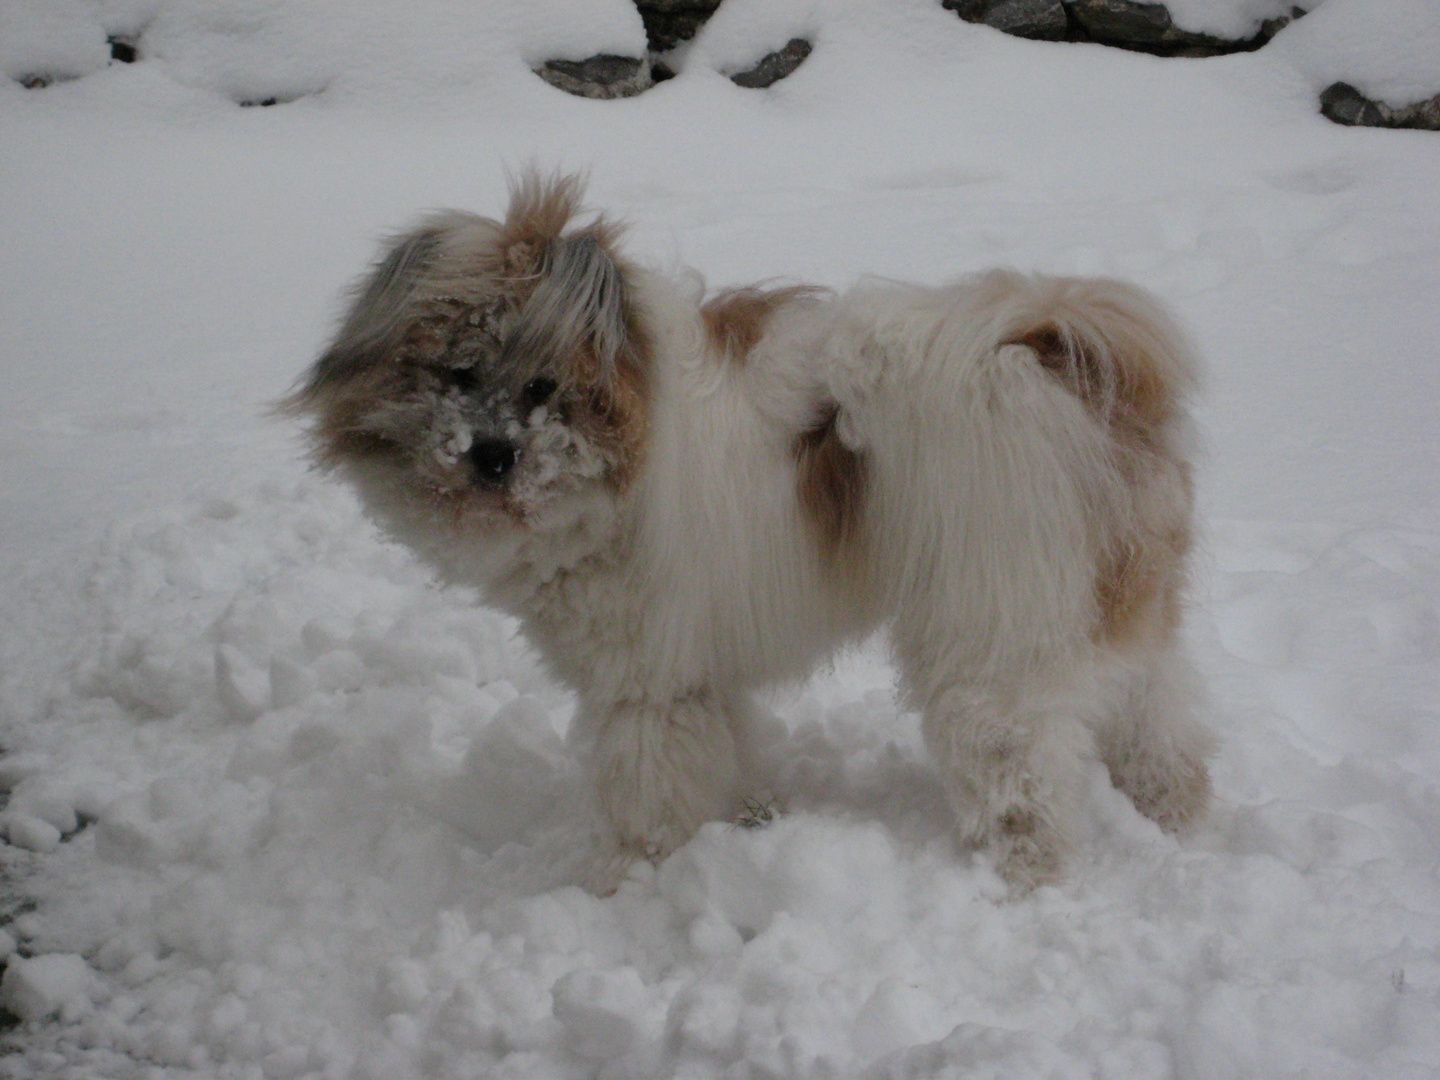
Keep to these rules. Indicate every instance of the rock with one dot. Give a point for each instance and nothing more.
(1147, 27)
(1136, 25)
(775, 66)
(1344, 104)
(669, 22)
(602, 76)
(123, 50)
(1043, 20)
(1126, 21)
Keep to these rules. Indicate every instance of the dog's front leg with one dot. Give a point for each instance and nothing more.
(661, 769)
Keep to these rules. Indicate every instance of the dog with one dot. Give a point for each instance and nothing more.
(683, 498)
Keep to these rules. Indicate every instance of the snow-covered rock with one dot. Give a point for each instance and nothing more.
(1167, 27)
(1372, 62)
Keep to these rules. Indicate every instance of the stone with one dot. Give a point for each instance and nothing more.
(774, 66)
(123, 50)
(1344, 104)
(602, 76)
(1147, 27)
(669, 22)
(1043, 20)
(1137, 25)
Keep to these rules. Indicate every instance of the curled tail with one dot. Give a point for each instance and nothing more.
(1114, 345)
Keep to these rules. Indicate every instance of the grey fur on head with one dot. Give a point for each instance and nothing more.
(378, 314)
(580, 301)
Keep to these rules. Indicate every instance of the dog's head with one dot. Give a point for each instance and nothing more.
(487, 374)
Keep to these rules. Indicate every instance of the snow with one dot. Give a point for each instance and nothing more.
(36, 988)
(253, 50)
(1386, 49)
(1231, 20)
(279, 807)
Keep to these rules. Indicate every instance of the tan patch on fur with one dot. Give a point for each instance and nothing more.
(831, 481)
(735, 319)
(619, 412)
(540, 209)
(1140, 582)
(1126, 390)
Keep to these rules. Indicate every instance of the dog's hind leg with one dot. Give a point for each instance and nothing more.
(1010, 756)
(660, 772)
(1155, 748)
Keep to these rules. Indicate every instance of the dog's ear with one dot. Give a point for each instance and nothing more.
(576, 321)
(378, 315)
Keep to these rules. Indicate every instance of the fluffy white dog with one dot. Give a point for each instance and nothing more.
(683, 499)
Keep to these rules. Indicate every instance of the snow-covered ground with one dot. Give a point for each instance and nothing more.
(279, 807)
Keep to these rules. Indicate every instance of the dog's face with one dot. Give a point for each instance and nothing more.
(489, 375)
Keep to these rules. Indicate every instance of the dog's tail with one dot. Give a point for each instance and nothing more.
(1112, 344)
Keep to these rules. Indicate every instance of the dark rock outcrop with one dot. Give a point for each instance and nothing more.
(603, 76)
(669, 22)
(1138, 25)
(774, 66)
(1343, 104)
(1043, 20)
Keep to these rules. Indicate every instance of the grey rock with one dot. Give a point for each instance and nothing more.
(669, 22)
(1138, 25)
(123, 49)
(1148, 27)
(672, 6)
(1344, 104)
(1126, 21)
(775, 66)
(1044, 20)
(602, 76)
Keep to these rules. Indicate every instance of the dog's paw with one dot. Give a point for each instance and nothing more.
(610, 867)
(1167, 780)
(1029, 850)
(1173, 799)
(614, 862)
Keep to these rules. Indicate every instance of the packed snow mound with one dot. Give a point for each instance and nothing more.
(332, 827)
(55, 39)
(1389, 50)
(261, 51)
(270, 52)
(1231, 20)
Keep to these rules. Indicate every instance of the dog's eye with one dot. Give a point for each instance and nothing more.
(462, 378)
(537, 392)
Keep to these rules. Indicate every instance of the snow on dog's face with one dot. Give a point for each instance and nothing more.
(487, 374)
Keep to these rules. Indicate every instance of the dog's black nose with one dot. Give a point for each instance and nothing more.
(492, 459)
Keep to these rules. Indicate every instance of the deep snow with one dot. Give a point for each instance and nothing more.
(279, 807)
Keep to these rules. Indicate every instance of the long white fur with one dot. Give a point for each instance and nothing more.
(991, 494)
